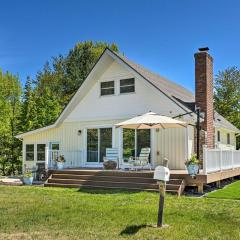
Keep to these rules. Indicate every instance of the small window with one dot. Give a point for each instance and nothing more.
(29, 152)
(228, 138)
(218, 136)
(107, 88)
(41, 152)
(127, 85)
(55, 146)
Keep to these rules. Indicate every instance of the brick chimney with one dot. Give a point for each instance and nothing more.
(204, 91)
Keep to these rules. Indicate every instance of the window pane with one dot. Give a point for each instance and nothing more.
(228, 138)
(29, 156)
(30, 148)
(107, 91)
(124, 82)
(41, 152)
(92, 145)
(105, 141)
(128, 143)
(55, 146)
(127, 89)
(143, 139)
(107, 84)
(218, 136)
(41, 156)
(29, 152)
(41, 147)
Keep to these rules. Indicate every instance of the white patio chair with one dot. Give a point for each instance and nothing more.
(112, 154)
(140, 162)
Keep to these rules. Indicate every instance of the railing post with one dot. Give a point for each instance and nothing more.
(205, 159)
(46, 158)
(232, 159)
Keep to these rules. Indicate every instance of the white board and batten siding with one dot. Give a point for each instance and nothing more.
(95, 111)
(171, 144)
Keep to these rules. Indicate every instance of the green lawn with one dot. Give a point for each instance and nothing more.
(231, 191)
(56, 213)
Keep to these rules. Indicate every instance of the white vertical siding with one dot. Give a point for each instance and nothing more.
(171, 143)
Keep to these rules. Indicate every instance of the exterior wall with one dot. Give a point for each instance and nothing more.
(101, 111)
(120, 106)
(172, 144)
(223, 139)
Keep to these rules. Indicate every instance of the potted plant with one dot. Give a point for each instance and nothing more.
(28, 177)
(192, 165)
(60, 160)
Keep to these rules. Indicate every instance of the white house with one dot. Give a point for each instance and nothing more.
(115, 90)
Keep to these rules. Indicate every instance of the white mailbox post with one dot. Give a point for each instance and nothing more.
(161, 174)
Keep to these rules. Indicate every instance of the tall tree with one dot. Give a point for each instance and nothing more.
(10, 147)
(227, 95)
(28, 110)
(46, 96)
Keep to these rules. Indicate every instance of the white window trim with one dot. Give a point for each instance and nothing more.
(129, 85)
(114, 88)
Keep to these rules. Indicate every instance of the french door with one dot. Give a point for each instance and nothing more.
(98, 139)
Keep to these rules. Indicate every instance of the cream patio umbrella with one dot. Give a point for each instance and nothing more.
(151, 120)
(148, 121)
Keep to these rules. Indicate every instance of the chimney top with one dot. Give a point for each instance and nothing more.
(204, 49)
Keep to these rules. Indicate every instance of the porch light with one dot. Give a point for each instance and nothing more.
(79, 132)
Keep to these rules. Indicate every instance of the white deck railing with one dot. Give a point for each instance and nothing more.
(74, 159)
(215, 160)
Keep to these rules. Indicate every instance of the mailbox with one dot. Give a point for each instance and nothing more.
(161, 174)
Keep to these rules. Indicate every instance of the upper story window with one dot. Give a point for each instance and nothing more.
(218, 136)
(127, 85)
(29, 152)
(107, 88)
(228, 138)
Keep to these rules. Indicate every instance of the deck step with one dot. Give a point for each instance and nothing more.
(116, 183)
(100, 179)
(96, 187)
(104, 178)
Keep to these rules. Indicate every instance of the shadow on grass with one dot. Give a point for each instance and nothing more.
(130, 230)
(107, 191)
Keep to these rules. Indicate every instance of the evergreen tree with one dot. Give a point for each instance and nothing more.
(28, 110)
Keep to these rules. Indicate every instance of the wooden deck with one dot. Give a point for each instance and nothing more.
(133, 180)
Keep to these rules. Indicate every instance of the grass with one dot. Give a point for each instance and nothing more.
(57, 213)
(231, 191)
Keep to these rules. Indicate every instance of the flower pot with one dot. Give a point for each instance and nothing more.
(60, 165)
(193, 169)
(28, 180)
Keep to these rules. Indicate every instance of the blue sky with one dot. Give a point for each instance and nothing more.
(161, 35)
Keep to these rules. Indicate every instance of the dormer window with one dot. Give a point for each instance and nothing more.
(127, 85)
(107, 88)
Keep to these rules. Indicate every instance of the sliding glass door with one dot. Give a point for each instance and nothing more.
(134, 141)
(98, 139)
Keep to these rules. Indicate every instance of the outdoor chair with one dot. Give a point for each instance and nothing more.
(112, 154)
(140, 162)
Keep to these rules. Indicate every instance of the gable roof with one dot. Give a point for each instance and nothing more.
(175, 92)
